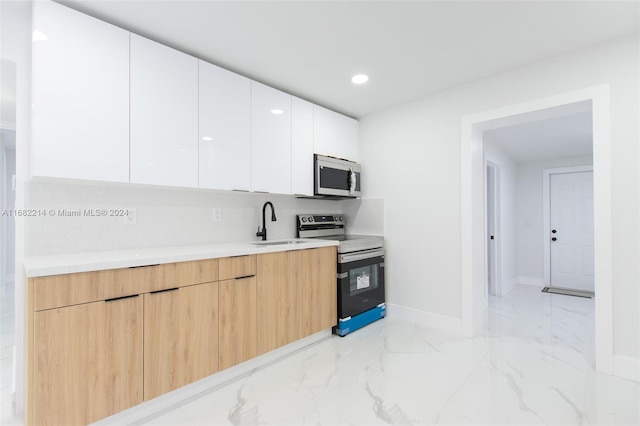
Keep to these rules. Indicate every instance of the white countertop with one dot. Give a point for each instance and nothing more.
(39, 266)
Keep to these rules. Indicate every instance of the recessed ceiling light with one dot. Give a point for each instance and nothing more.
(277, 111)
(207, 138)
(359, 79)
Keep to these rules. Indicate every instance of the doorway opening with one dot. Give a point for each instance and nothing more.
(473, 243)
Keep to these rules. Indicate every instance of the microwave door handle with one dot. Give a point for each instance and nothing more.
(352, 181)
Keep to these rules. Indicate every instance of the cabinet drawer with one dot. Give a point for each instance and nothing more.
(188, 273)
(72, 289)
(237, 266)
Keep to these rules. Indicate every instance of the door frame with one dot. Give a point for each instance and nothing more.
(492, 194)
(546, 212)
(472, 248)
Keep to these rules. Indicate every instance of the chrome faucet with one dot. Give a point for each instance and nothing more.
(263, 233)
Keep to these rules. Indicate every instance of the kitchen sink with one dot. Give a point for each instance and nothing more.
(278, 243)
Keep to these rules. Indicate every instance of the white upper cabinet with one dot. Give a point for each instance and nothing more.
(109, 105)
(301, 147)
(164, 115)
(270, 139)
(225, 129)
(348, 145)
(80, 96)
(335, 134)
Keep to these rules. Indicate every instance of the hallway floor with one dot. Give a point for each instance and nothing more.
(533, 365)
(7, 344)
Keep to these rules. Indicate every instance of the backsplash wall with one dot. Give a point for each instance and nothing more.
(165, 216)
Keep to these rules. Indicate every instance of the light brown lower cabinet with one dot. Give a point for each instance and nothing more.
(297, 295)
(279, 308)
(180, 337)
(238, 326)
(87, 361)
(164, 327)
(316, 278)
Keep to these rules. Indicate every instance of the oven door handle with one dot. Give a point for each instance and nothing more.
(352, 257)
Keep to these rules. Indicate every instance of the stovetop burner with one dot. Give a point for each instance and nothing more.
(333, 227)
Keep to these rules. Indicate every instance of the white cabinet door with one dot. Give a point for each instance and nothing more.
(301, 147)
(335, 134)
(164, 115)
(324, 132)
(347, 138)
(80, 96)
(225, 132)
(270, 139)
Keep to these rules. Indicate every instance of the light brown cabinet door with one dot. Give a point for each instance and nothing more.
(315, 275)
(87, 361)
(237, 304)
(279, 310)
(180, 337)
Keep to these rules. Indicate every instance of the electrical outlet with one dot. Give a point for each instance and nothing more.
(217, 214)
(131, 216)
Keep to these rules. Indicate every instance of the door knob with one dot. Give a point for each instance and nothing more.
(553, 239)
(553, 231)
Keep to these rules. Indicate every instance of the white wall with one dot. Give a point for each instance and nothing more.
(506, 234)
(165, 216)
(414, 149)
(364, 216)
(529, 215)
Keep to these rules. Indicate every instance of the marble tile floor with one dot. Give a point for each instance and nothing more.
(7, 343)
(532, 365)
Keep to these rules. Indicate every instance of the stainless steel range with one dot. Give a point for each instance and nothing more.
(360, 270)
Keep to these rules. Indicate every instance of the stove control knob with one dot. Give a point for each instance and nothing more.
(304, 219)
(310, 219)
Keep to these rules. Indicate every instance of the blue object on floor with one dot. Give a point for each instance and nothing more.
(356, 322)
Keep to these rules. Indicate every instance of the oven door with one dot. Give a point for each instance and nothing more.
(360, 281)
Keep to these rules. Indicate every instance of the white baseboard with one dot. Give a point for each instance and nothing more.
(171, 400)
(626, 367)
(429, 319)
(535, 281)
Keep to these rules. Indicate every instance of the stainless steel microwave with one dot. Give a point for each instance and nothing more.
(335, 177)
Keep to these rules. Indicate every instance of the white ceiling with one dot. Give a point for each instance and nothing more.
(409, 48)
(563, 135)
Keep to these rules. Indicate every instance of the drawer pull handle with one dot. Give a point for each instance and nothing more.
(246, 276)
(164, 291)
(144, 266)
(123, 297)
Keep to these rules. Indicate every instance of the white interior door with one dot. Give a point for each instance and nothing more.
(572, 236)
